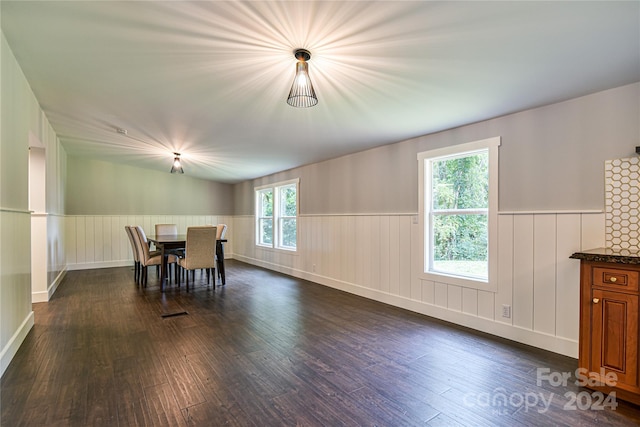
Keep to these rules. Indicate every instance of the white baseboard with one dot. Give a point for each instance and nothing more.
(541, 340)
(10, 350)
(109, 264)
(44, 296)
(100, 264)
(54, 286)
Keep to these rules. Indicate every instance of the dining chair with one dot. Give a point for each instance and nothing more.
(162, 229)
(148, 257)
(134, 249)
(200, 251)
(221, 231)
(143, 236)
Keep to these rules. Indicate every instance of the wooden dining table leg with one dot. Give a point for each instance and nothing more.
(220, 256)
(163, 267)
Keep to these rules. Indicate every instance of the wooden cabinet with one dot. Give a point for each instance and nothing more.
(609, 327)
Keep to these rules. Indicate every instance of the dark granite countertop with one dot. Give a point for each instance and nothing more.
(620, 256)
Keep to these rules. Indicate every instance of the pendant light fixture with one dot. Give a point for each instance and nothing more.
(302, 94)
(177, 166)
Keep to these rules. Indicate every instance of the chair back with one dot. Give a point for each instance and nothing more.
(164, 229)
(221, 232)
(134, 247)
(142, 242)
(200, 247)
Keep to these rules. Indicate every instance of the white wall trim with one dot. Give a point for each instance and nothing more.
(53, 287)
(556, 344)
(41, 296)
(108, 264)
(10, 350)
(356, 214)
(552, 212)
(22, 211)
(99, 264)
(541, 212)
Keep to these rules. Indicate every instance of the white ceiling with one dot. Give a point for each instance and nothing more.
(210, 79)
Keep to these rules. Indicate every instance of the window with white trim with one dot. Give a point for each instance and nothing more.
(458, 210)
(277, 215)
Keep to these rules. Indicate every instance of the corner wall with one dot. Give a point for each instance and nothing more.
(20, 116)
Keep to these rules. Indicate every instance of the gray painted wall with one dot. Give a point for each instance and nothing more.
(551, 158)
(95, 187)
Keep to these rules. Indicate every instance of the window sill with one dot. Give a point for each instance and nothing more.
(279, 250)
(465, 282)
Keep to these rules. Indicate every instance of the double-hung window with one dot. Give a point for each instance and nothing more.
(277, 215)
(458, 210)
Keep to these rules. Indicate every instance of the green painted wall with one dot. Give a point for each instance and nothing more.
(95, 187)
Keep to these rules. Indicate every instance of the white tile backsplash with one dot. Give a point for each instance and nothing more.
(622, 203)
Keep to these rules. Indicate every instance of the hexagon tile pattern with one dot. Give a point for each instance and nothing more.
(622, 203)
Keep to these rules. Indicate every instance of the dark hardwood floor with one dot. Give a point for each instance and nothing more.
(270, 350)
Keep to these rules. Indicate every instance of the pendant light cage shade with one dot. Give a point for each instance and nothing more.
(302, 94)
(177, 165)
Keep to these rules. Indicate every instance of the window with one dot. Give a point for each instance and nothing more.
(264, 215)
(458, 209)
(277, 215)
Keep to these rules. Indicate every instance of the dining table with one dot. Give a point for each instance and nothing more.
(167, 242)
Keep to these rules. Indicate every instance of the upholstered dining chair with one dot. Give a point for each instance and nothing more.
(148, 257)
(162, 229)
(172, 229)
(136, 255)
(143, 235)
(200, 251)
(221, 231)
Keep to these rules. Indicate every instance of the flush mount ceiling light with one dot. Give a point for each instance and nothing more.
(177, 166)
(302, 94)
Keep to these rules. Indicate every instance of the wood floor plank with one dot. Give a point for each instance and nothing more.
(302, 410)
(102, 407)
(269, 350)
(132, 408)
(163, 406)
(182, 381)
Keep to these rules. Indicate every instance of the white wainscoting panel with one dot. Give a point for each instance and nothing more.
(486, 304)
(522, 281)
(376, 256)
(470, 301)
(504, 296)
(48, 264)
(99, 241)
(592, 234)
(442, 294)
(39, 258)
(16, 315)
(567, 276)
(544, 274)
(56, 257)
(454, 297)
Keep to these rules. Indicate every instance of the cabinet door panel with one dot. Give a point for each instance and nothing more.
(615, 335)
